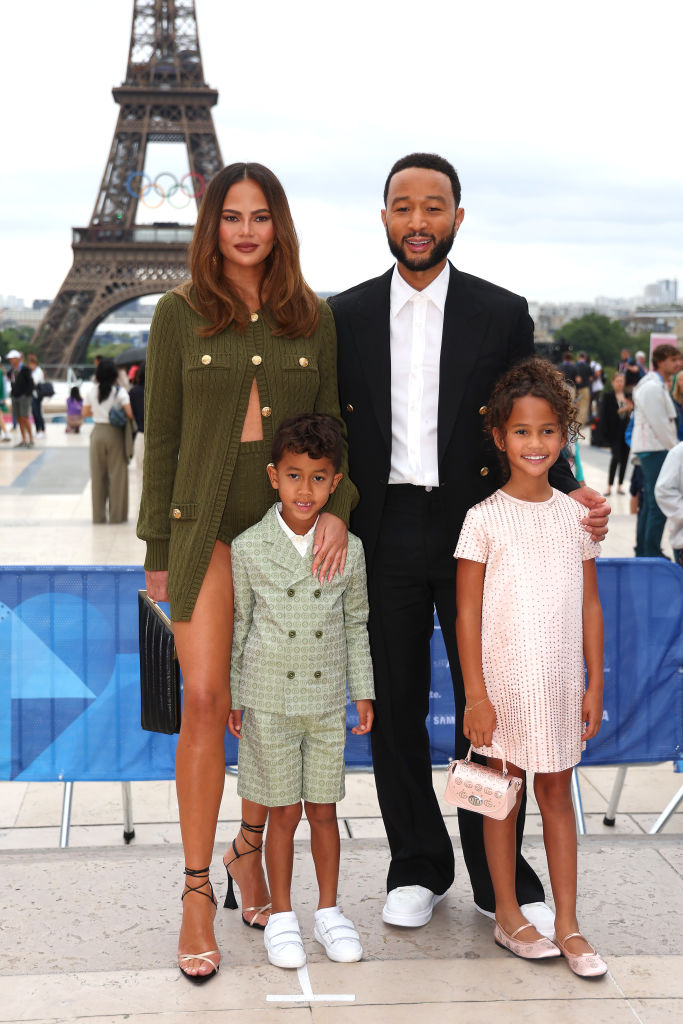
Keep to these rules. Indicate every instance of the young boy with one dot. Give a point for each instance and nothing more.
(296, 643)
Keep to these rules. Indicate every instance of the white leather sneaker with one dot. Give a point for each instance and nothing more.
(538, 914)
(282, 939)
(410, 906)
(337, 935)
(541, 917)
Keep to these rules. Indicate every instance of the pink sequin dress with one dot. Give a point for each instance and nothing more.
(532, 633)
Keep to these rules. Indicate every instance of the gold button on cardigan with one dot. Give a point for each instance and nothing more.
(194, 413)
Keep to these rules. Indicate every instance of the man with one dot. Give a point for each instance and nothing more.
(22, 389)
(567, 367)
(583, 381)
(654, 434)
(420, 349)
(36, 397)
(669, 497)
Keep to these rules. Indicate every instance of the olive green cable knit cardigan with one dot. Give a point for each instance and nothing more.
(196, 396)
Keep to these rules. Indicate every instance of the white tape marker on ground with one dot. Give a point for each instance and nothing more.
(307, 994)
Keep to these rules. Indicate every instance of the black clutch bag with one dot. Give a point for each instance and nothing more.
(159, 669)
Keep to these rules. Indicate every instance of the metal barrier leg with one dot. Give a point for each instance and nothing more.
(66, 815)
(611, 812)
(666, 813)
(578, 806)
(127, 800)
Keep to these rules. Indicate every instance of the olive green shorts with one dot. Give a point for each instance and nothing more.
(250, 494)
(283, 759)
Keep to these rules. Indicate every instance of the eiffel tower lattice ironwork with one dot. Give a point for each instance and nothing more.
(163, 99)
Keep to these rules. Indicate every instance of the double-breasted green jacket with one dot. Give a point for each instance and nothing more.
(196, 396)
(296, 641)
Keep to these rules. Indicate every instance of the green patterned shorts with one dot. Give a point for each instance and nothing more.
(284, 759)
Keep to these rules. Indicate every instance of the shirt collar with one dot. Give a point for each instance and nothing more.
(298, 539)
(402, 292)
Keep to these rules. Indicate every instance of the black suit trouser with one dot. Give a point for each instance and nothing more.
(411, 571)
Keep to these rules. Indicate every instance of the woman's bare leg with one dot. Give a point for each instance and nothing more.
(203, 645)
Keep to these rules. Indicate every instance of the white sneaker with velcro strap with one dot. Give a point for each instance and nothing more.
(337, 935)
(282, 939)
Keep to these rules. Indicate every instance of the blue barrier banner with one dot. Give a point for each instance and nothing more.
(69, 675)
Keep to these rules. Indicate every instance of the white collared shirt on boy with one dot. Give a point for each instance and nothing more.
(302, 543)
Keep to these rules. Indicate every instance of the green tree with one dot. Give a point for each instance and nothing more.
(15, 337)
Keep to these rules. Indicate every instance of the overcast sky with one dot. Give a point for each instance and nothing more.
(562, 120)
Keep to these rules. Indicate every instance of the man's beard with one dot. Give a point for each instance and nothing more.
(439, 252)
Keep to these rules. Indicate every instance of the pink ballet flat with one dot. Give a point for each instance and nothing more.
(539, 949)
(585, 965)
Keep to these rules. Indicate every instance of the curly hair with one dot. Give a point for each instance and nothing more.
(310, 433)
(539, 378)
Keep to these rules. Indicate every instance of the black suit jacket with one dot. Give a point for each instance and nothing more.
(486, 330)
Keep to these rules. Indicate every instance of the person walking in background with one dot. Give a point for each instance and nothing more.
(22, 390)
(242, 346)
(615, 411)
(597, 387)
(654, 434)
(74, 412)
(525, 562)
(641, 363)
(567, 368)
(669, 497)
(137, 404)
(583, 381)
(420, 349)
(108, 459)
(292, 724)
(37, 395)
(677, 396)
(6, 436)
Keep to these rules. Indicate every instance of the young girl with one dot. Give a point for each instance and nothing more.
(528, 615)
(74, 412)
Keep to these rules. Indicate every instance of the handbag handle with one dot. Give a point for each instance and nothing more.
(502, 755)
(159, 611)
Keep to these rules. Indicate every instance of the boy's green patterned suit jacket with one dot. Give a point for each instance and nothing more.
(296, 641)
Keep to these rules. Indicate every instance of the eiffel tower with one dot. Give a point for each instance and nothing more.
(163, 99)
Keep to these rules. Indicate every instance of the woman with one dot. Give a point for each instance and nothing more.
(243, 345)
(616, 410)
(108, 460)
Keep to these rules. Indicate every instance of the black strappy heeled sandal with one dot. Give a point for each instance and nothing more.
(198, 979)
(230, 901)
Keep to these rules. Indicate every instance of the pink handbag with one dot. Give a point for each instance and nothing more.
(476, 787)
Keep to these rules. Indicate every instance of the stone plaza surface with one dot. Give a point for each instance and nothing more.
(89, 933)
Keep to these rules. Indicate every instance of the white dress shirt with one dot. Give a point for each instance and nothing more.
(302, 542)
(416, 327)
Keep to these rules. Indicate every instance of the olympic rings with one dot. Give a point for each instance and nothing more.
(178, 193)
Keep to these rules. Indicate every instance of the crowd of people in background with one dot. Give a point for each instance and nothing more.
(606, 410)
(640, 418)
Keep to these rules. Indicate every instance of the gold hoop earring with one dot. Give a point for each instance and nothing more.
(214, 260)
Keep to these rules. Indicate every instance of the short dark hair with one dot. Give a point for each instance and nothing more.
(430, 162)
(663, 352)
(311, 433)
(537, 377)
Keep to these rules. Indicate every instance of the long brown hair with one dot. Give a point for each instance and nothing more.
(290, 302)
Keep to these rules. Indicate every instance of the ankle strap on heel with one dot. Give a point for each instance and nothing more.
(199, 873)
(256, 830)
